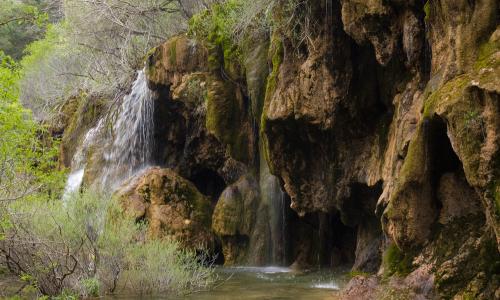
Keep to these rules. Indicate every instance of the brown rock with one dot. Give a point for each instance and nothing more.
(171, 205)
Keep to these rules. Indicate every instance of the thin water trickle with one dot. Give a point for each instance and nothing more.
(78, 162)
(132, 133)
(274, 197)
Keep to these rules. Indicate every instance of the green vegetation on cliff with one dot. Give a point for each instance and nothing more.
(397, 262)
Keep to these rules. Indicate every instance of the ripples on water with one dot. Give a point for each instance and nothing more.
(249, 283)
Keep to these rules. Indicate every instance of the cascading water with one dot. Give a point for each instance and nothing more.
(78, 161)
(273, 195)
(128, 143)
(132, 135)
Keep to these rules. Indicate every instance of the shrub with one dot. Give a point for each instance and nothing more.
(85, 245)
(91, 287)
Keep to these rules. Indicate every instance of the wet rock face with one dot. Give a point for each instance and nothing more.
(422, 121)
(172, 206)
(195, 113)
(382, 127)
(240, 221)
(391, 28)
(457, 31)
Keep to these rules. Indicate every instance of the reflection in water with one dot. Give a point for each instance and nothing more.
(245, 283)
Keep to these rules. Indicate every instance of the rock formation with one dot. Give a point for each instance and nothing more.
(381, 126)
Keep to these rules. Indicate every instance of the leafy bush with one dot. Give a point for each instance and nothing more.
(21, 22)
(27, 152)
(91, 287)
(87, 246)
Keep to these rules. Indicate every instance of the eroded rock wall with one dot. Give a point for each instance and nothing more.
(380, 121)
(400, 94)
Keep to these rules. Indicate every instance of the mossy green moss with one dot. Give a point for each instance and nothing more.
(397, 262)
(226, 112)
(225, 115)
(486, 57)
(172, 52)
(227, 216)
(88, 112)
(414, 165)
(427, 10)
(356, 273)
(277, 60)
(214, 27)
(276, 52)
(451, 92)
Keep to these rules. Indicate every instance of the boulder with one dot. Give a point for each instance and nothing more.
(171, 206)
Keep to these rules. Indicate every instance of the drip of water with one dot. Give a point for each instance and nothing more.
(131, 149)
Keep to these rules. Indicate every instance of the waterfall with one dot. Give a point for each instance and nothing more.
(274, 197)
(78, 162)
(127, 144)
(132, 135)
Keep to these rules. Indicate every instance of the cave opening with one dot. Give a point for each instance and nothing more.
(444, 160)
(358, 212)
(209, 183)
(320, 240)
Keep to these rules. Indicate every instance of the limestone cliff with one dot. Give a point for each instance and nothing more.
(380, 123)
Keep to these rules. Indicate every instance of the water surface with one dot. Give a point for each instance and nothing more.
(249, 283)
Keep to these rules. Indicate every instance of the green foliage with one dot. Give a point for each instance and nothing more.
(52, 71)
(216, 27)
(93, 246)
(91, 287)
(25, 146)
(20, 23)
(396, 261)
(41, 49)
(486, 56)
(66, 294)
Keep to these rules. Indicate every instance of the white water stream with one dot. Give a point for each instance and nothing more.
(132, 133)
(128, 145)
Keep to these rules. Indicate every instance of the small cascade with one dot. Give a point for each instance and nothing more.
(78, 161)
(274, 197)
(132, 135)
(277, 222)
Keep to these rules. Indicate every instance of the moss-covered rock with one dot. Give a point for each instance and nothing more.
(227, 118)
(87, 109)
(397, 262)
(171, 206)
(240, 220)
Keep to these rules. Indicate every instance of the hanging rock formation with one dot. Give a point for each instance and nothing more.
(382, 127)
